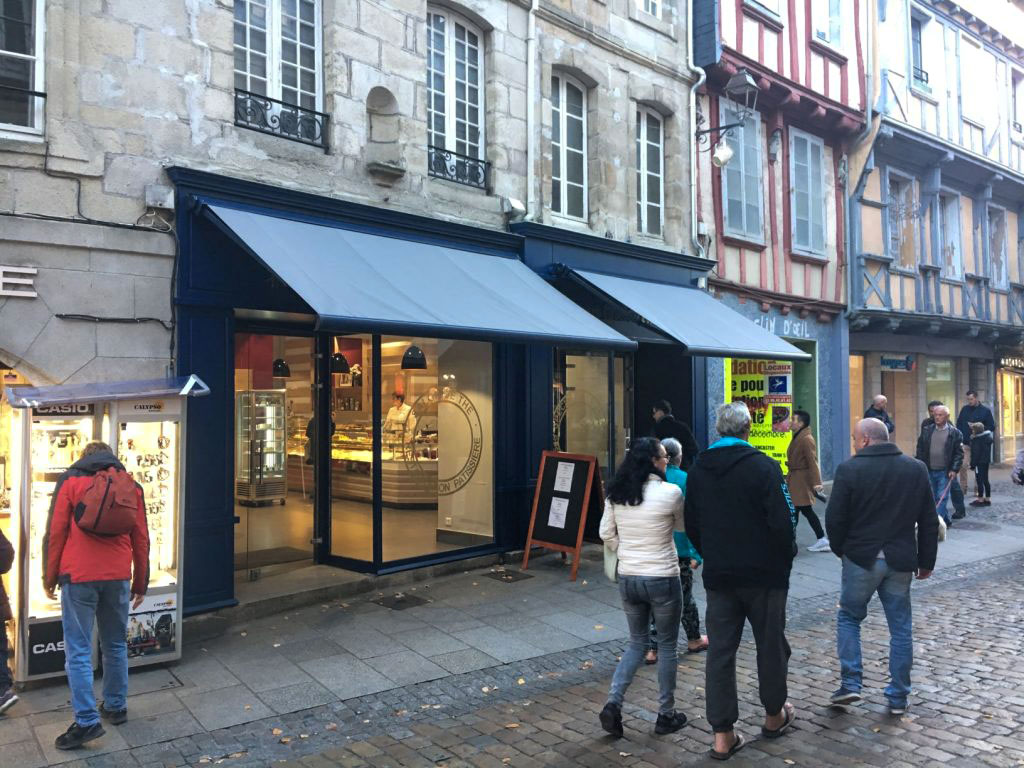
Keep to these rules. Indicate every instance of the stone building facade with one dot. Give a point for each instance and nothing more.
(121, 90)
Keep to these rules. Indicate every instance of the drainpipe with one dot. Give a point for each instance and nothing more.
(869, 100)
(532, 207)
(701, 76)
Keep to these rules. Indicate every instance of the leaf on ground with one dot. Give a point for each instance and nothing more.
(436, 706)
(400, 712)
(510, 726)
(787, 761)
(599, 626)
(506, 760)
(248, 707)
(586, 665)
(285, 740)
(521, 681)
(486, 689)
(236, 755)
(876, 729)
(277, 731)
(331, 727)
(244, 634)
(277, 645)
(303, 735)
(625, 754)
(204, 759)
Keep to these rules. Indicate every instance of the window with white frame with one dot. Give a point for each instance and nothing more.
(997, 247)
(455, 85)
(568, 147)
(277, 50)
(652, 7)
(828, 21)
(21, 65)
(903, 216)
(918, 72)
(742, 195)
(650, 187)
(807, 188)
(972, 73)
(949, 236)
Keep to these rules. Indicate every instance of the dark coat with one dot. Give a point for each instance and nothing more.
(969, 413)
(802, 462)
(740, 519)
(6, 561)
(877, 499)
(882, 416)
(669, 427)
(981, 448)
(954, 453)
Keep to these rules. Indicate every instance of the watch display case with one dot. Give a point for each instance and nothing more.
(260, 449)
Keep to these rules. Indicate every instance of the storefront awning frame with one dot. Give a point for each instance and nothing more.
(703, 325)
(94, 392)
(498, 281)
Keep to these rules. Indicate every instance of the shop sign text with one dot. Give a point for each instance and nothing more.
(1012, 362)
(766, 387)
(65, 409)
(787, 326)
(18, 282)
(905, 363)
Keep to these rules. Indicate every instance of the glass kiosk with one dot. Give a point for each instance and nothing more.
(144, 423)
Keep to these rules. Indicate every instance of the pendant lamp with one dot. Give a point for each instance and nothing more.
(414, 359)
(281, 369)
(339, 363)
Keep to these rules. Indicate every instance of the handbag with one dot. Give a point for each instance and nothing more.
(611, 564)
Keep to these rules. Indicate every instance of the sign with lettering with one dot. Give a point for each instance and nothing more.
(766, 386)
(790, 327)
(898, 363)
(18, 282)
(1012, 362)
(65, 409)
(45, 647)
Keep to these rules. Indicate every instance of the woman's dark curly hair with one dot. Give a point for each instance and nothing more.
(627, 487)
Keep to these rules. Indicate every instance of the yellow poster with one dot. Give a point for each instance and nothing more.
(766, 386)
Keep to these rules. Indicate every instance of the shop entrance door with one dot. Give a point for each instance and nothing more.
(274, 477)
(662, 372)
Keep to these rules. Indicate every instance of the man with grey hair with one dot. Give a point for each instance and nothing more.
(881, 522)
(939, 447)
(878, 410)
(740, 519)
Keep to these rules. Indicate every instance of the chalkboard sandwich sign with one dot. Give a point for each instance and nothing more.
(568, 489)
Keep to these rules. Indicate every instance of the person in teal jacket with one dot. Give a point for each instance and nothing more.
(689, 561)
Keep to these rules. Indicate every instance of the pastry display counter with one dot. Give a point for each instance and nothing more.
(408, 470)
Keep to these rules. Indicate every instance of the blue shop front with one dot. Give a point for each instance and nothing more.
(383, 384)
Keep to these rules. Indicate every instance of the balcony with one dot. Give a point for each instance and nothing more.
(462, 169)
(289, 121)
(920, 76)
(21, 109)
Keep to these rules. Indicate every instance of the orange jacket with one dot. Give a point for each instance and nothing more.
(75, 556)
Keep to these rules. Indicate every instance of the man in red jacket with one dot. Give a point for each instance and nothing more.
(93, 572)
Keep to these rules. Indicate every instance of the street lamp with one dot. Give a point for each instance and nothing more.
(741, 89)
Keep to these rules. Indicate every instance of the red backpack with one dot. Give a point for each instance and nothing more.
(109, 505)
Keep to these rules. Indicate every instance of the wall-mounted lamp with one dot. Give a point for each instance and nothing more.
(339, 363)
(281, 369)
(742, 89)
(414, 359)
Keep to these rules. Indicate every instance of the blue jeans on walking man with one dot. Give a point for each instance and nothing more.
(106, 603)
(893, 588)
(939, 479)
(642, 597)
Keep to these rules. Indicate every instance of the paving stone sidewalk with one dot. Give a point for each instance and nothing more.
(358, 684)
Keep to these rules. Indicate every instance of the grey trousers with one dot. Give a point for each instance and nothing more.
(728, 610)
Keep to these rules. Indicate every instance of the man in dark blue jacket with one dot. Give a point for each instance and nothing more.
(975, 410)
(881, 521)
(739, 517)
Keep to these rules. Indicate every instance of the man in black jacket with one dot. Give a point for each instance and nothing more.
(878, 497)
(940, 447)
(8, 698)
(878, 410)
(975, 410)
(666, 425)
(740, 519)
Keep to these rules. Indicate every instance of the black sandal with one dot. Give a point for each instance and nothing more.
(790, 712)
(737, 745)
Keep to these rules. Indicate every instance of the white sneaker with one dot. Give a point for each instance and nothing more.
(821, 545)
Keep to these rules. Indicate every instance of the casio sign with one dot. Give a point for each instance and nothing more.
(39, 648)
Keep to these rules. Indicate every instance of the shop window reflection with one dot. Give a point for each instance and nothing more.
(581, 405)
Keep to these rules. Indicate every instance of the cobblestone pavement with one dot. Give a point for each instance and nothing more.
(968, 706)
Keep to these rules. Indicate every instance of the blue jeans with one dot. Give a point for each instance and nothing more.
(939, 478)
(107, 603)
(642, 597)
(893, 588)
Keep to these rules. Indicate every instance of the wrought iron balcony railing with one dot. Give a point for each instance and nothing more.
(21, 107)
(462, 169)
(920, 75)
(289, 121)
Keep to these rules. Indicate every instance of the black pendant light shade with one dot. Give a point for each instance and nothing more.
(281, 369)
(339, 364)
(414, 359)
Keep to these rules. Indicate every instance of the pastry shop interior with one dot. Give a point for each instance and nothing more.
(436, 455)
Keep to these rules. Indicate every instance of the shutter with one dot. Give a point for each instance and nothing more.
(707, 42)
(800, 186)
(817, 197)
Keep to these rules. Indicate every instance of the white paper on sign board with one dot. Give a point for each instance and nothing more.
(563, 476)
(556, 515)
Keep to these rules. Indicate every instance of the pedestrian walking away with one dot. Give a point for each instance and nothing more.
(878, 410)
(642, 510)
(7, 696)
(689, 562)
(98, 576)
(881, 522)
(939, 447)
(973, 410)
(955, 488)
(666, 425)
(981, 458)
(740, 519)
(804, 478)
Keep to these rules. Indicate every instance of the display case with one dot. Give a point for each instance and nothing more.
(144, 424)
(260, 450)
